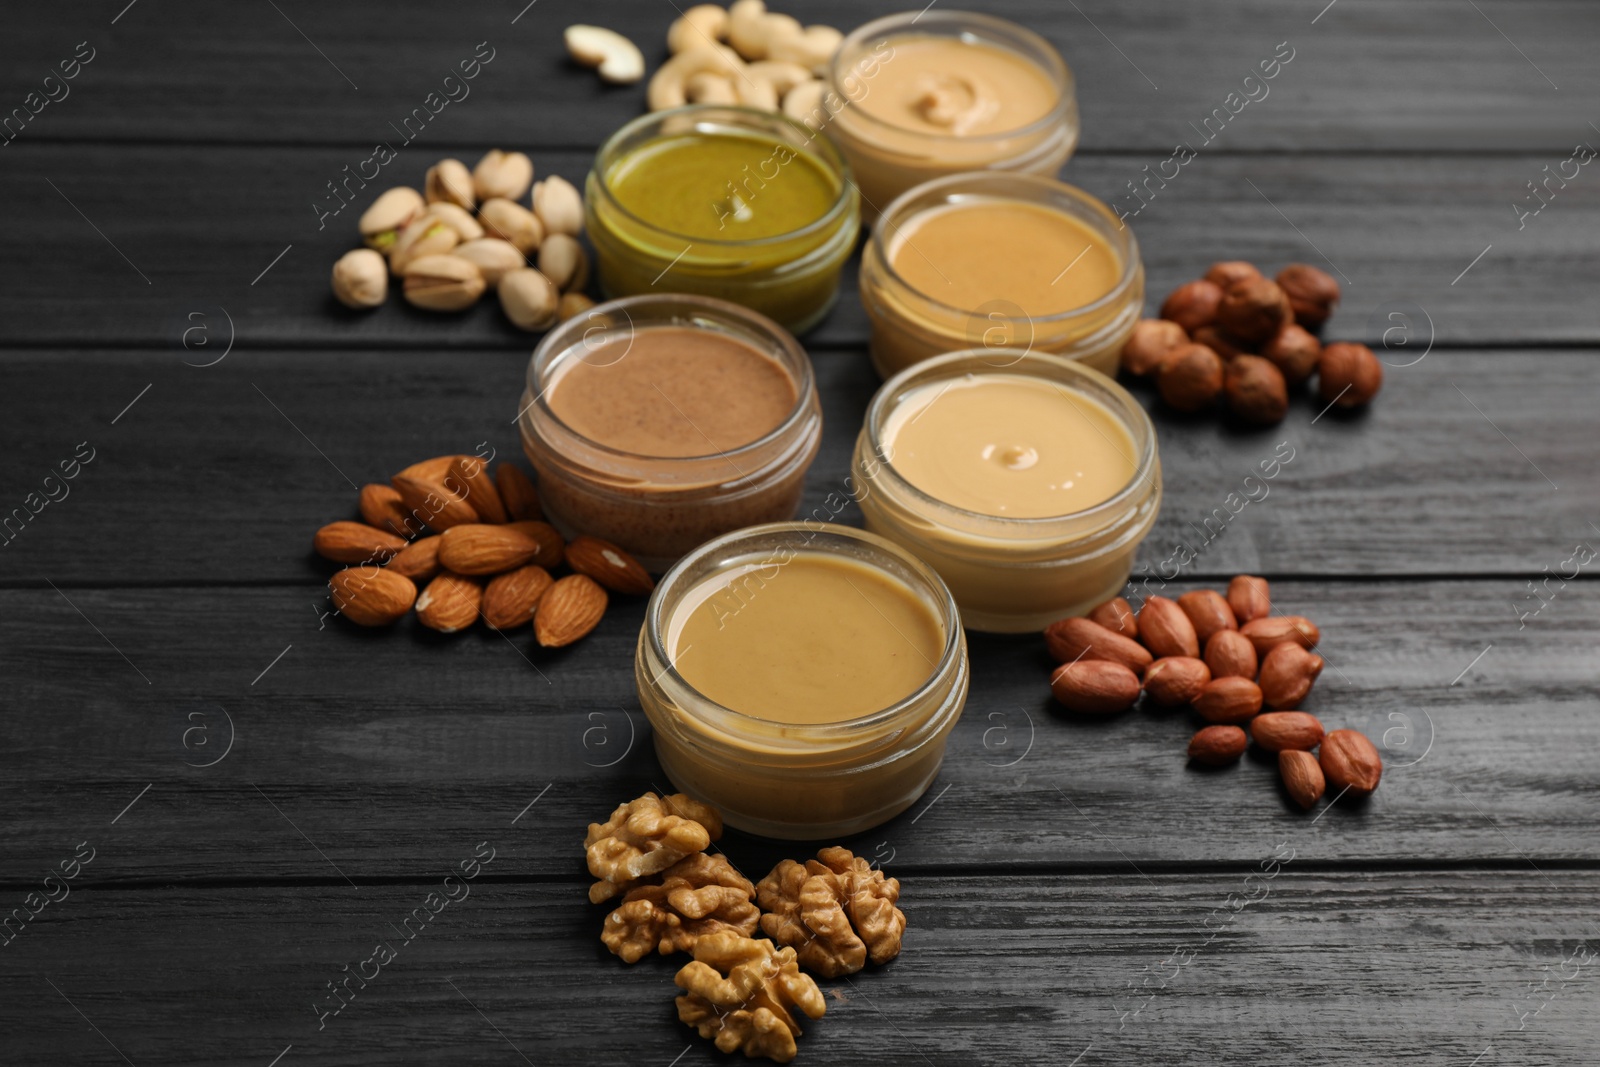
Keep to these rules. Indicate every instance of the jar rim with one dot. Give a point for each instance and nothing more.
(656, 620)
(1003, 32)
(570, 334)
(1133, 417)
(747, 118)
(1046, 191)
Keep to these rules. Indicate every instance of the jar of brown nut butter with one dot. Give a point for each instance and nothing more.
(660, 422)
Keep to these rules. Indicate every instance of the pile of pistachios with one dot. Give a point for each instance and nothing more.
(467, 232)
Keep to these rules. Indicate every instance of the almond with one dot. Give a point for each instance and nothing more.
(1217, 746)
(1286, 675)
(517, 493)
(1073, 639)
(1230, 654)
(569, 609)
(381, 507)
(608, 565)
(1096, 686)
(419, 560)
(1268, 633)
(510, 599)
(370, 596)
(469, 477)
(1116, 614)
(1302, 776)
(1166, 630)
(1208, 610)
(449, 603)
(1249, 597)
(432, 504)
(477, 548)
(1350, 762)
(355, 542)
(1228, 700)
(429, 470)
(1174, 680)
(552, 549)
(1279, 730)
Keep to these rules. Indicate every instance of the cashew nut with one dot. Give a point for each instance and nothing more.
(706, 87)
(811, 49)
(781, 76)
(667, 85)
(803, 103)
(618, 59)
(752, 29)
(701, 24)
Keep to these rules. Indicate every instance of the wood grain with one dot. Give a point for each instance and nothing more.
(383, 747)
(221, 474)
(245, 237)
(1427, 75)
(1324, 967)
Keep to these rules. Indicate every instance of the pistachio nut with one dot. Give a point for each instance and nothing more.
(563, 260)
(503, 174)
(422, 236)
(442, 283)
(382, 222)
(528, 298)
(457, 218)
(361, 278)
(512, 222)
(572, 305)
(492, 256)
(450, 182)
(559, 205)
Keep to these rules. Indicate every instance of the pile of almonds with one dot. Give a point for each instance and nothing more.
(1252, 660)
(467, 231)
(483, 549)
(1238, 335)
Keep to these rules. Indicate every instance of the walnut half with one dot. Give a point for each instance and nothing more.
(644, 837)
(742, 994)
(698, 895)
(836, 911)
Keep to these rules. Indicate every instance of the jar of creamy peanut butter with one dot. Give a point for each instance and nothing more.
(1000, 261)
(658, 422)
(928, 93)
(1026, 480)
(802, 677)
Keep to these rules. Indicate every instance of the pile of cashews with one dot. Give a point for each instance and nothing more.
(743, 55)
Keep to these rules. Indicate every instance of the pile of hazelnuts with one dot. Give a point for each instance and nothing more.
(1247, 339)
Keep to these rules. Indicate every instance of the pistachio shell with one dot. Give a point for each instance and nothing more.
(391, 211)
(528, 298)
(442, 283)
(360, 279)
(457, 218)
(503, 174)
(449, 181)
(559, 205)
(492, 256)
(512, 222)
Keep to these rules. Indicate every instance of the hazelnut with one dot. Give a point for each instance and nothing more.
(1349, 375)
(1229, 271)
(1312, 293)
(1219, 342)
(1294, 351)
(1255, 390)
(1193, 304)
(1190, 377)
(1253, 310)
(1152, 341)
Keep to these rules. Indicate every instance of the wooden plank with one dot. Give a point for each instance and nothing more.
(1008, 970)
(1406, 232)
(221, 474)
(1364, 75)
(374, 753)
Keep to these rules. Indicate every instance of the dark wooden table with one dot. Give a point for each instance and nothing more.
(265, 796)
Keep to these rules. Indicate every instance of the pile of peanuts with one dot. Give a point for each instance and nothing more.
(1251, 660)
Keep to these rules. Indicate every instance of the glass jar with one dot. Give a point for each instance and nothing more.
(655, 507)
(909, 326)
(792, 277)
(889, 158)
(1012, 575)
(810, 781)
